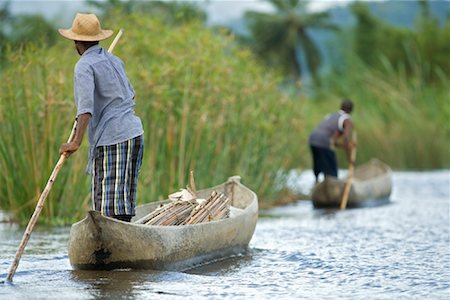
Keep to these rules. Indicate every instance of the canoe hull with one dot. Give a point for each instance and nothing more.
(370, 186)
(99, 242)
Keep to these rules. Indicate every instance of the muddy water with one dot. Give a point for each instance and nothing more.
(395, 251)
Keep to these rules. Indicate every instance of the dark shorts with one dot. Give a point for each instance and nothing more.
(115, 176)
(324, 161)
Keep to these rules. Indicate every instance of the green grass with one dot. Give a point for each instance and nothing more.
(206, 105)
(400, 120)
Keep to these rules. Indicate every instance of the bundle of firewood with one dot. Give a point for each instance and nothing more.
(215, 208)
(192, 211)
(174, 213)
(185, 208)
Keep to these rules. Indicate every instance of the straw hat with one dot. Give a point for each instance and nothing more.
(86, 28)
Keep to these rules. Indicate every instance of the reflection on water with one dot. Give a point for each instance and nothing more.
(125, 283)
(398, 250)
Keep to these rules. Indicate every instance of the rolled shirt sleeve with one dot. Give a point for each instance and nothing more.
(84, 86)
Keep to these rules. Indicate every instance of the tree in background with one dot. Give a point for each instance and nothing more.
(32, 29)
(280, 37)
(173, 12)
(24, 29)
(421, 52)
(379, 44)
(365, 33)
(5, 17)
(432, 44)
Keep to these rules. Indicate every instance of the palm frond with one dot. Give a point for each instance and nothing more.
(315, 20)
(281, 35)
(285, 5)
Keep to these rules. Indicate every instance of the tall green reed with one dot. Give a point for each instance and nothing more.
(206, 105)
(34, 118)
(399, 118)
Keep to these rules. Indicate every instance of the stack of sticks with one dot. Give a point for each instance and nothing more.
(174, 213)
(181, 212)
(215, 208)
(187, 209)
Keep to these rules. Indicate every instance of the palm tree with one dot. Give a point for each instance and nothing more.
(281, 36)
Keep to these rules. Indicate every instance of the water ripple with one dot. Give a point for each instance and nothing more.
(395, 251)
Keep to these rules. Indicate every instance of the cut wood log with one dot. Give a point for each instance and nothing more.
(173, 213)
(192, 211)
(214, 208)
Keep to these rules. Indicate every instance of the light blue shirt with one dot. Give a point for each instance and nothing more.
(102, 88)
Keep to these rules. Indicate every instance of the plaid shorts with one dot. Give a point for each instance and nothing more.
(115, 176)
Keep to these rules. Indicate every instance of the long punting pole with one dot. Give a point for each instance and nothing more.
(350, 175)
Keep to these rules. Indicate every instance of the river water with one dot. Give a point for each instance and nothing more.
(396, 251)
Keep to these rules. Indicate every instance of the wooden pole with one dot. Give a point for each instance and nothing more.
(350, 174)
(114, 42)
(38, 209)
(48, 186)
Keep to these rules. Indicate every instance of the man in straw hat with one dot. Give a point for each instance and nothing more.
(105, 100)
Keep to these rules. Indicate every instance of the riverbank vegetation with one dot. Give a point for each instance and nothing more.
(208, 104)
(397, 77)
(205, 103)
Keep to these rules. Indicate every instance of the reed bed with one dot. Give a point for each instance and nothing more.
(206, 105)
(35, 117)
(400, 120)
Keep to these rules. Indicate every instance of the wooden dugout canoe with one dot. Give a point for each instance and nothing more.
(371, 185)
(103, 243)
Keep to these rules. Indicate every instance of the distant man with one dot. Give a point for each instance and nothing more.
(324, 138)
(105, 105)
